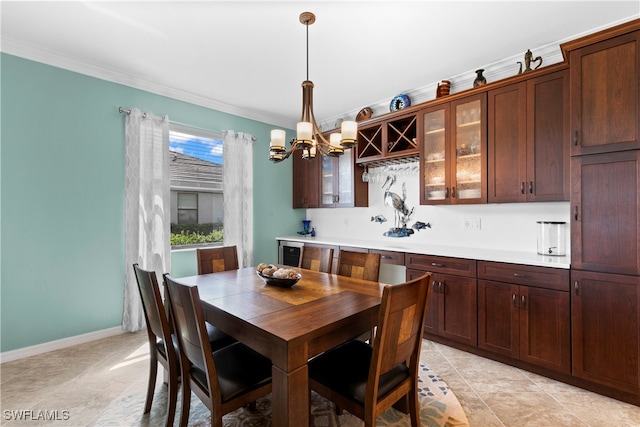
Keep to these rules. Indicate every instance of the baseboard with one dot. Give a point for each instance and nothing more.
(33, 350)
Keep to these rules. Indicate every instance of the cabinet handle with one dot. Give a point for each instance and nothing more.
(575, 138)
(385, 257)
(437, 264)
(522, 301)
(522, 187)
(453, 192)
(575, 213)
(576, 287)
(446, 193)
(440, 287)
(513, 300)
(530, 187)
(433, 286)
(522, 276)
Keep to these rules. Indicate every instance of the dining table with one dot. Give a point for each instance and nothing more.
(289, 325)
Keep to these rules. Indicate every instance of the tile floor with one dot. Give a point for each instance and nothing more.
(77, 384)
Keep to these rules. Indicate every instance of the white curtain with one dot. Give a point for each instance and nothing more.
(147, 206)
(238, 194)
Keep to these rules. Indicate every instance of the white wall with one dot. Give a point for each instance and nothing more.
(507, 226)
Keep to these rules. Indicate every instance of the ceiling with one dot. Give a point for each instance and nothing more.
(248, 58)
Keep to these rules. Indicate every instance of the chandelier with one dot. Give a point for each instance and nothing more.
(308, 138)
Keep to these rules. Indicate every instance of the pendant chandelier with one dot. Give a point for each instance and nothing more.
(308, 138)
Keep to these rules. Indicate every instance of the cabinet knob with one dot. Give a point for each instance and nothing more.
(513, 300)
(575, 138)
(522, 301)
(575, 213)
(437, 264)
(530, 187)
(453, 192)
(522, 187)
(522, 276)
(576, 286)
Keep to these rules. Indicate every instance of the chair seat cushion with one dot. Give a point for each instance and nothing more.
(345, 369)
(240, 369)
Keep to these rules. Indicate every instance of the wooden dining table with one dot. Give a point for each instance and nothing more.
(289, 325)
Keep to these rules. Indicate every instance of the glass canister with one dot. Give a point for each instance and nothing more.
(551, 238)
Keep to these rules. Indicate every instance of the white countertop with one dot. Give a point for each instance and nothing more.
(481, 254)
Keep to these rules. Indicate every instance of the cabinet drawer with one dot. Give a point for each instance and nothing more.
(438, 264)
(540, 277)
(389, 257)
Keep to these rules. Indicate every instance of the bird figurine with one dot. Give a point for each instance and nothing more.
(402, 213)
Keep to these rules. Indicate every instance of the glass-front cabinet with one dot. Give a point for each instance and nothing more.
(453, 152)
(337, 180)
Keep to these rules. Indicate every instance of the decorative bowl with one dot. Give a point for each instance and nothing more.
(281, 283)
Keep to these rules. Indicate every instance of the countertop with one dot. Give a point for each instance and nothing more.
(481, 254)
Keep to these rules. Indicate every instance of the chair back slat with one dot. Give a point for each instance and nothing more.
(316, 259)
(213, 260)
(361, 265)
(152, 304)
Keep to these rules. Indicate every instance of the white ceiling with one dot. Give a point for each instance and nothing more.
(248, 58)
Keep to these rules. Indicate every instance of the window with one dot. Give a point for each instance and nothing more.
(187, 208)
(195, 168)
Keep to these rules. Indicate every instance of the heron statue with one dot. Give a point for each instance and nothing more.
(402, 213)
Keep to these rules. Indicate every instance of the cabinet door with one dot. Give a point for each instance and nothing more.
(306, 176)
(346, 178)
(545, 328)
(605, 201)
(498, 318)
(606, 329)
(605, 95)
(328, 181)
(468, 151)
(507, 143)
(457, 310)
(434, 168)
(431, 322)
(548, 138)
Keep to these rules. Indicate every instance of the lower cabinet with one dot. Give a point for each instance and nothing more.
(452, 311)
(606, 329)
(523, 313)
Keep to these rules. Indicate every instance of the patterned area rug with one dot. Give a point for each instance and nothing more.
(439, 408)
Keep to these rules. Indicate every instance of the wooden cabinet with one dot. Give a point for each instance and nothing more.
(390, 138)
(339, 185)
(528, 142)
(453, 152)
(606, 329)
(306, 182)
(523, 313)
(452, 311)
(605, 91)
(605, 210)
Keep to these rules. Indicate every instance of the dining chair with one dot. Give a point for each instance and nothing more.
(213, 260)
(159, 333)
(362, 265)
(316, 258)
(224, 380)
(367, 380)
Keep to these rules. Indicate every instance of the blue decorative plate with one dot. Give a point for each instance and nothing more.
(399, 102)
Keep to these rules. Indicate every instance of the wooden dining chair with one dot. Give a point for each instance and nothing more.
(316, 258)
(224, 380)
(213, 260)
(362, 265)
(367, 380)
(159, 333)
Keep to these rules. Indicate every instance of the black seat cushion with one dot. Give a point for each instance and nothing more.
(240, 369)
(217, 338)
(345, 369)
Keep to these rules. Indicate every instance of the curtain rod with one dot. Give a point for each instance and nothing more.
(127, 111)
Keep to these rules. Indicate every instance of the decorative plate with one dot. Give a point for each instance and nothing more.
(281, 283)
(399, 102)
(364, 114)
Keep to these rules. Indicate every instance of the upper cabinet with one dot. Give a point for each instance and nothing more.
(339, 184)
(388, 139)
(605, 93)
(453, 152)
(306, 182)
(528, 140)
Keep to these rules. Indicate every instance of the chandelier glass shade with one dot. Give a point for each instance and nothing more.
(309, 138)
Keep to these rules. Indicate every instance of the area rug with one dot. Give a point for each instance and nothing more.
(439, 408)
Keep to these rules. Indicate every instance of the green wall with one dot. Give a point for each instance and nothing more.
(62, 198)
